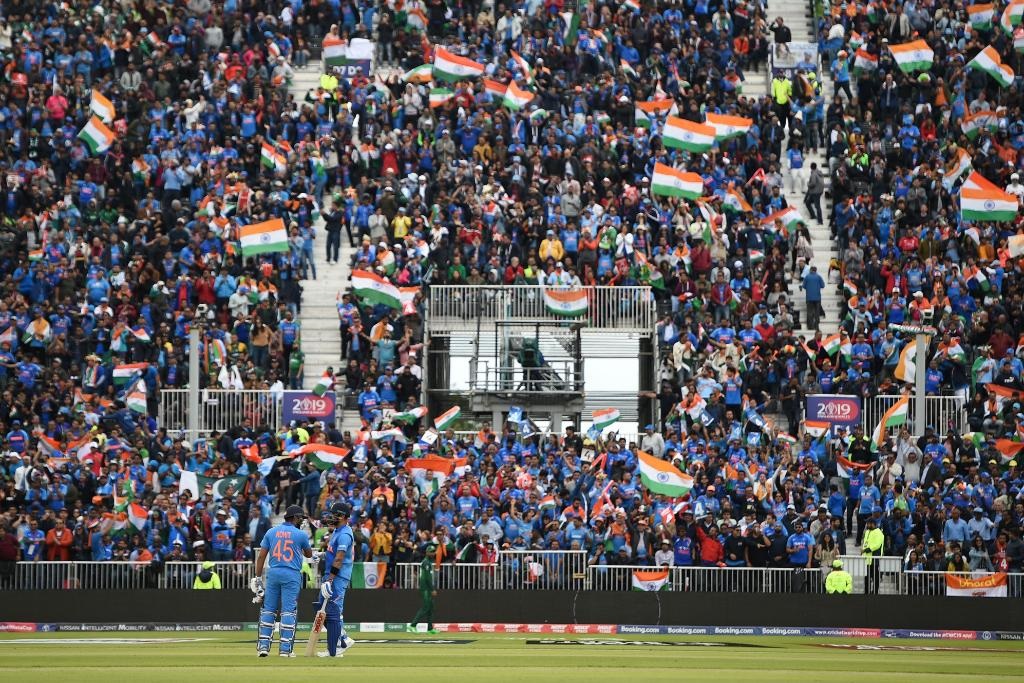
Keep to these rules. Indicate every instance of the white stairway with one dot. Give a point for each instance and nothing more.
(797, 15)
(321, 340)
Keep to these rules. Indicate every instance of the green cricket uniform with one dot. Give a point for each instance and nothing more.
(426, 612)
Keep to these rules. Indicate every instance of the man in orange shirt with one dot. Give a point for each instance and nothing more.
(58, 542)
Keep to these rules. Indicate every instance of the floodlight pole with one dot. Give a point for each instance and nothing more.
(193, 381)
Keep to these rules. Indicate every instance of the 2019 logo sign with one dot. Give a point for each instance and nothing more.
(305, 405)
(836, 410)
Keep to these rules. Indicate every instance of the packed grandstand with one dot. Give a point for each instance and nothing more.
(160, 171)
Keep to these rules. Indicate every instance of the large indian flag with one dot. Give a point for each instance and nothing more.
(981, 16)
(682, 134)
(1012, 16)
(605, 417)
(913, 56)
(334, 52)
(447, 418)
(516, 97)
(669, 182)
(894, 417)
(988, 60)
(421, 74)
(369, 574)
(906, 366)
(650, 580)
(102, 107)
(570, 303)
(268, 237)
(97, 137)
(371, 288)
(972, 126)
(987, 205)
(662, 477)
(451, 67)
(728, 126)
(321, 456)
(735, 202)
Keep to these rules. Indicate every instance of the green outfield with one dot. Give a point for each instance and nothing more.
(212, 656)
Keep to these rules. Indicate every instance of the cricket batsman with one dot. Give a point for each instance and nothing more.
(427, 592)
(340, 552)
(286, 544)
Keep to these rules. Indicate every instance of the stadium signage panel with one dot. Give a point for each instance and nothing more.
(838, 410)
(305, 405)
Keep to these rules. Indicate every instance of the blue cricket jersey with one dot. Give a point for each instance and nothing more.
(342, 540)
(286, 545)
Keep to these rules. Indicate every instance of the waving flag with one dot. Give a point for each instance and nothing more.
(571, 28)
(372, 288)
(515, 97)
(605, 417)
(988, 60)
(1009, 449)
(913, 56)
(267, 237)
(421, 74)
(451, 67)
(102, 107)
(735, 202)
(816, 429)
(440, 96)
(96, 136)
(686, 135)
(973, 125)
(864, 61)
(323, 384)
(334, 52)
(523, 66)
(894, 417)
(846, 467)
(1011, 16)
(668, 182)
(906, 367)
(662, 477)
(1015, 245)
(447, 418)
(369, 575)
(960, 164)
(727, 127)
(136, 398)
(272, 159)
(981, 16)
(138, 516)
(494, 88)
(125, 374)
(410, 416)
(987, 205)
(321, 456)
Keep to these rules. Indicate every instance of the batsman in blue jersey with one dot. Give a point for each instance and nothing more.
(285, 545)
(339, 556)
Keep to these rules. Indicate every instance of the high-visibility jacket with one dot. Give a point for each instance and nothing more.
(782, 90)
(839, 581)
(212, 584)
(874, 540)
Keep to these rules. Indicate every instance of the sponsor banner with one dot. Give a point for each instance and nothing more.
(1003, 635)
(17, 627)
(412, 641)
(305, 405)
(903, 648)
(935, 635)
(396, 628)
(370, 627)
(633, 643)
(844, 632)
(145, 627)
(837, 410)
(100, 641)
(464, 627)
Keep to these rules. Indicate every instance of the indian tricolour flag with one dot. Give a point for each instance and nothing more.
(524, 67)
(334, 52)
(1008, 449)
(628, 69)
(976, 181)
(734, 202)
(1012, 16)
(605, 417)
(267, 237)
(1018, 40)
(416, 19)
(137, 515)
(451, 67)
(569, 303)
(846, 468)
(894, 417)
(447, 418)
(981, 16)
(320, 455)
(410, 416)
(1002, 394)
(421, 74)
(972, 126)
(96, 136)
(633, 5)
(123, 374)
(789, 216)
(906, 366)
(913, 56)
(669, 182)
(662, 477)
(271, 158)
(650, 579)
(864, 61)
(727, 126)
(372, 288)
(494, 88)
(682, 134)
(831, 344)
(439, 96)
(988, 60)
(516, 97)
(323, 384)
(984, 586)
(959, 165)
(816, 428)
(987, 205)
(136, 398)
(102, 107)
(369, 574)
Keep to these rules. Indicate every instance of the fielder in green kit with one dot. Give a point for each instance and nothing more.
(427, 592)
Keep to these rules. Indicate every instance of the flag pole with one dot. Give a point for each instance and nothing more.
(920, 414)
(193, 381)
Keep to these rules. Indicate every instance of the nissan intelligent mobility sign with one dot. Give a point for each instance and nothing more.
(839, 410)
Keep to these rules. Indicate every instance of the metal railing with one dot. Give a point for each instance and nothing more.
(123, 575)
(513, 570)
(452, 307)
(222, 409)
(941, 412)
(555, 377)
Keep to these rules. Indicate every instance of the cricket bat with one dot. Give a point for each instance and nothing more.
(314, 632)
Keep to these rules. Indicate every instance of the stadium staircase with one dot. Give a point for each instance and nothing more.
(798, 15)
(321, 340)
